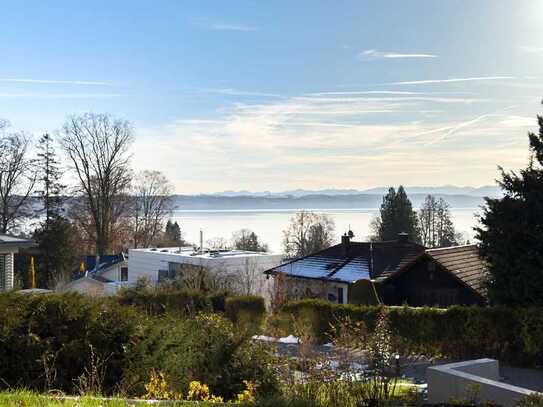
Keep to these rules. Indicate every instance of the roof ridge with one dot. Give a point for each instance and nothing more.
(463, 246)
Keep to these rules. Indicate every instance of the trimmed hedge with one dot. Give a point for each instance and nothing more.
(62, 334)
(51, 341)
(157, 301)
(512, 335)
(246, 312)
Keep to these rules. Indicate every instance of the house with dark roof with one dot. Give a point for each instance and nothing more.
(391, 272)
(443, 277)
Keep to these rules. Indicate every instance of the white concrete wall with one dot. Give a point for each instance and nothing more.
(114, 272)
(455, 380)
(239, 268)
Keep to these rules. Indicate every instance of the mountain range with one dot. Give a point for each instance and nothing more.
(487, 190)
(457, 197)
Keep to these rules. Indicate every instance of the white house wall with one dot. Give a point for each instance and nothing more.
(8, 269)
(146, 264)
(299, 288)
(113, 273)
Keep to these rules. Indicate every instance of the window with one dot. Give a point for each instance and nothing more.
(124, 273)
(162, 275)
(173, 273)
(340, 295)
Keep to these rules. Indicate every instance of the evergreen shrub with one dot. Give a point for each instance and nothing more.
(512, 335)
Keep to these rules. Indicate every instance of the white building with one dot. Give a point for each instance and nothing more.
(9, 246)
(104, 278)
(241, 271)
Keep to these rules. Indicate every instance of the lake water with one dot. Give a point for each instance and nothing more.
(269, 224)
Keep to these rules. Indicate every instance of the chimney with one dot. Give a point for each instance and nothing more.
(346, 243)
(403, 237)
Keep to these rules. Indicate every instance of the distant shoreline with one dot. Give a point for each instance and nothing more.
(315, 202)
(286, 210)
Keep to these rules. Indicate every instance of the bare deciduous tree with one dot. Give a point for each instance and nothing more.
(17, 178)
(218, 243)
(436, 226)
(308, 233)
(97, 146)
(152, 205)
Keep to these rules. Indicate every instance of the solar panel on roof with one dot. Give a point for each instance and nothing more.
(322, 267)
(312, 267)
(354, 270)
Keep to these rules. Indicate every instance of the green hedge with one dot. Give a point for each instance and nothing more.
(513, 335)
(246, 312)
(160, 300)
(63, 335)
(60, 333)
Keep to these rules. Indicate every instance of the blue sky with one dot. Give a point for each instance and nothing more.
(278, 95)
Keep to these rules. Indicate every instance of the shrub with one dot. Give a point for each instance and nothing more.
(165, 298)
(77, 344)
(218, 299)
(246, 312)
(49, 341)
(203, 349)
(533, 400)
(513, 335)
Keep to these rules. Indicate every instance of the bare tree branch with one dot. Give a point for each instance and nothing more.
(17, 179)
(97, 145)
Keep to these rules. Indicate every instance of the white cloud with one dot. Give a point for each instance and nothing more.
(56, 82)
(370, 54)
(238, 92)
(451, 80)
(518, 121)
(214, 25)
(531, 49)
(307, 141)
(38, 95)
(232, 27)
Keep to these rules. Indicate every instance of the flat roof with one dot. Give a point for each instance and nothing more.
(207, 254)
(15, 242)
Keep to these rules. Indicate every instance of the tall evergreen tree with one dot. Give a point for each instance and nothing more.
(49, 176)
(172, 235)
(55, 236)
(511, 233)
(58, 253)
(396, 215)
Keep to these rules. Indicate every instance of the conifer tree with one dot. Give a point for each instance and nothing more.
(55, 236)
(49, 177)
(396, 215)
(246, 239)
(511, 233)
